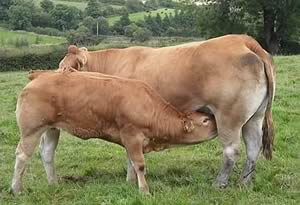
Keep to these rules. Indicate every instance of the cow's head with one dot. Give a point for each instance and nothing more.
(76, 58)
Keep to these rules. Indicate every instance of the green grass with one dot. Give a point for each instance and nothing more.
(140, 15)
(9, 38)
(93, 172)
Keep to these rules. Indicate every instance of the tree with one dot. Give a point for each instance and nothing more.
(21, 13)
(141, 35)
(47, 5)
(65, 17)
(134, 5)
(119, 26)
(42, 19)
(103, 26)
(93, 9)
(271, 22)
(4, 6)
(130, 29)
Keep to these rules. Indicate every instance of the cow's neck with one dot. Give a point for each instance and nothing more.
(104, 61)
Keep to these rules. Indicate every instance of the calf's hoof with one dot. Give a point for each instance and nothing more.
(16, 190)
(131, 180)
(144, 191)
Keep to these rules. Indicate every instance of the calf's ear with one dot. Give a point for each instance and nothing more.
(188, 126)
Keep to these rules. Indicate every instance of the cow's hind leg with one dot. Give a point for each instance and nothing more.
(230, 139)
(24, 152)
(48, 145)
(252, 135)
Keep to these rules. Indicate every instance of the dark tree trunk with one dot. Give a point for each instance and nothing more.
(270, 34)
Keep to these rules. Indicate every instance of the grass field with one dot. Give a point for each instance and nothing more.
(93, 172)
(10, 38)
(140, 15)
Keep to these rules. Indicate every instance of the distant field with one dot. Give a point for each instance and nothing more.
(140, 15)
(78, 4)
(9, 38)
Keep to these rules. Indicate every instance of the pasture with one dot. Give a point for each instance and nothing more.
(94, 172)
(23, 38)
(140, 15)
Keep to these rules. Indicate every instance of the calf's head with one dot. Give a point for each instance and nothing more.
(75, 58)
(199, 127)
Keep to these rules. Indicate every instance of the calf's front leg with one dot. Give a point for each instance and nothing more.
(134, 148)
(131, 174)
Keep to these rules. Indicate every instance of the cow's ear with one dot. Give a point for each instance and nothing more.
(188, 126)
(73, 49)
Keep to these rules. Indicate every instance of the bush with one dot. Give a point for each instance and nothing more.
(289, 47)
(141, 35)
(32, 61)
(46, 31)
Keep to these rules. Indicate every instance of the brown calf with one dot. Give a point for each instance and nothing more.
(92, 105)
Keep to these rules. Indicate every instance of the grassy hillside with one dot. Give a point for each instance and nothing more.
(140, 15)
(79, 4)
(93, 171)
(12, 38)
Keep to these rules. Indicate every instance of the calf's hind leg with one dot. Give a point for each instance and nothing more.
(48, 145)
(24, 152)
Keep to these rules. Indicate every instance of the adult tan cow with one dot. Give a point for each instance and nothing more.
(92, 105)
(232, 75)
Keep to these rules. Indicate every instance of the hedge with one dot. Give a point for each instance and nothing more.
(32, 61)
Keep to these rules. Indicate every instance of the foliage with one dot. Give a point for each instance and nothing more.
(31, 61)
(21, 14)
(46, 31)
(4, 6)
(119, 26)
(47, 5)
(141, 34)
(103, 26)
(93, 8)
(42, 19)
(271, 21)
(134, 6)
(65, 17)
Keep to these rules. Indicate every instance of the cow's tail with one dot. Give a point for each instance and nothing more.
(268, 128)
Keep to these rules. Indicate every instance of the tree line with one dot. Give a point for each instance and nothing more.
(275, 24)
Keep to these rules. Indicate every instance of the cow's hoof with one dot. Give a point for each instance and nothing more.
(220, 184)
